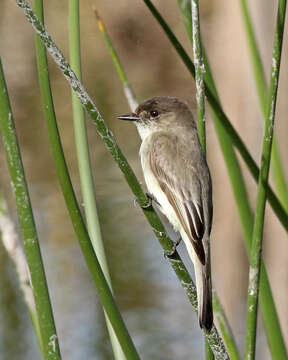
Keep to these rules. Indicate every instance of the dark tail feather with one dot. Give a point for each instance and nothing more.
(205, 305)
(203, 285)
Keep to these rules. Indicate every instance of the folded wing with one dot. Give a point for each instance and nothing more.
(182, 187)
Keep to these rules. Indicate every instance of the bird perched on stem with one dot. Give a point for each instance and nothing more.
(178, 178)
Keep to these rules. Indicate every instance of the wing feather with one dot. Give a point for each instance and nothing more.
(183, 194)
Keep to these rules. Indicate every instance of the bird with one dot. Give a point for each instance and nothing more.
(178, 179)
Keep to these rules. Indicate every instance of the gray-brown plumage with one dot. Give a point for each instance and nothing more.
(177, 176)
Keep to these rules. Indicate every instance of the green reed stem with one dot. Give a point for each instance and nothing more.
(84, 164)
(214, 339)
(256, 249)
(200, 96)
(221, 116)
(71, 202)
(199, 72)
(129, 93)
(279, 177)
(269, 313)
(49, 339)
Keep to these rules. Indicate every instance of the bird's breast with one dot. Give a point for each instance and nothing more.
(153, 186)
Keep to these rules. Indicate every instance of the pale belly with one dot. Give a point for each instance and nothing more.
(155, 190)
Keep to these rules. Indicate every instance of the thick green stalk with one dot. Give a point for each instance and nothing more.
(221, 116)
(199, 72)
(129, 93)
(279, 177)
(270, 316)
(255, 255)
(200, 96)
(213, 337)
(84, 164)
(44, 311)
(72, 205)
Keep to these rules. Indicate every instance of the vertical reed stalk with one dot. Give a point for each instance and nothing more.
(199, 72)
(84, 164)
(70, 198)
(277, 168)
(200, 95)
(49, 339)
(255, 255)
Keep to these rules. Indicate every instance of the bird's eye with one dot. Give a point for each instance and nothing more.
(154, 113)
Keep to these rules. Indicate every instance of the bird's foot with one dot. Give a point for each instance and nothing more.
(150, 198)
(172, 251)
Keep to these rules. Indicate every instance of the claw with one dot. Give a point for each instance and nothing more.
(149, 204)
(150, 199)
(172, 251)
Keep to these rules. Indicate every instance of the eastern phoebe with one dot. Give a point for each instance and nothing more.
(178, 178)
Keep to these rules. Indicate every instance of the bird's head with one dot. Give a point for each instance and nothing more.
(159, 113)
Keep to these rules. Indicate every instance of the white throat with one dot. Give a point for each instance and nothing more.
(143, 130)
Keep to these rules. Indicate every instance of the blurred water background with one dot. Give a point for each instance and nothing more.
(150, 297)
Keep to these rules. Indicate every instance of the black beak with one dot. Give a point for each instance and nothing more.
(130, 117)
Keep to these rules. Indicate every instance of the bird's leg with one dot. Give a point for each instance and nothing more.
(150, 198)
(172, 251)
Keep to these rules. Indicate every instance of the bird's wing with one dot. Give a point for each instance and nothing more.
(183, 191)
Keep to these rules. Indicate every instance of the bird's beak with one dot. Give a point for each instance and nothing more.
(130, 117)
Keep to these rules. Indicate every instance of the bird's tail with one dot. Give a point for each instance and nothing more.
(203, 285)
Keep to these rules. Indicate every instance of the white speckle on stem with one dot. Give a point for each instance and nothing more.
(198, 61)
(52, 342)
(253, 281)
(274, 66)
